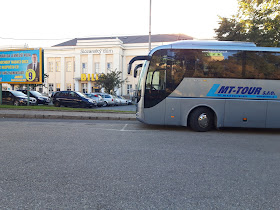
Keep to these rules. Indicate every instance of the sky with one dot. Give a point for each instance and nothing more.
(38, 23)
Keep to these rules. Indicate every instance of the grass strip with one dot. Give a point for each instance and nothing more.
(53, 108)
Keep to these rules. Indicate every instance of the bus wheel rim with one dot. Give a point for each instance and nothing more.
(203, 120)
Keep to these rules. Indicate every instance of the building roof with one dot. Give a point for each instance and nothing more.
(132, 39)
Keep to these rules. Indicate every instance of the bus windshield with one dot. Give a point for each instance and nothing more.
(141, 77)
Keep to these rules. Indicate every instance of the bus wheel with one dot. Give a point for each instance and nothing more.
(201, 119)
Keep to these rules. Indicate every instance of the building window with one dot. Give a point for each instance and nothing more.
(50, 65)
(109, 67)
(84, 68)
(68, 85)
(50, 87)
(57, 66)
(97, 67)
(57, 86)
(85, 87)
(129, 89)
(69, 66)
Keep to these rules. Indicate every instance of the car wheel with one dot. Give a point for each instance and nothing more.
(57, 104)
(16, 103)
(201, 119)
(105, 103)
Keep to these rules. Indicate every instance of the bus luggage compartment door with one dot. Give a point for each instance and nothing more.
(273, 114)
(245, 113)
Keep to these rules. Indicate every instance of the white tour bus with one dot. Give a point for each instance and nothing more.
(207, 84)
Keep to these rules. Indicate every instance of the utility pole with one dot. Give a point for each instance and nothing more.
(150, 17)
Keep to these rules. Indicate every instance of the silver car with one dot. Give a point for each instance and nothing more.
(108, 99)
(99, 100)
(122, 100)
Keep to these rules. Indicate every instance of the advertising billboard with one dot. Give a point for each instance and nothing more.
(21, 66)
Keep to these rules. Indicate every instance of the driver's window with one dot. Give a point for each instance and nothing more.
(149, 80)
(158, 80)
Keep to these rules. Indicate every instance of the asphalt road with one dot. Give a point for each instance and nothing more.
(59, 164)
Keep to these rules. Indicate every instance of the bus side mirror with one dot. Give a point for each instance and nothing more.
(136, 69)
(137, 58)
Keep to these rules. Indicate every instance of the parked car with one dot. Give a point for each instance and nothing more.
(108, 99)
(72, 99)
(16, 98)
(39, 97)
(123, 101)
(117, 101)
(99, 100)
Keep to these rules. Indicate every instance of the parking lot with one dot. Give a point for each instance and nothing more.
(61, 164)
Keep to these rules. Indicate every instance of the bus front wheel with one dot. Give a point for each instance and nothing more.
(201, 119)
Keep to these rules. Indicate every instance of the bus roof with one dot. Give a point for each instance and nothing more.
(215, 45)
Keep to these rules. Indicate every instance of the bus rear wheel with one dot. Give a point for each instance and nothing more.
(201, 119)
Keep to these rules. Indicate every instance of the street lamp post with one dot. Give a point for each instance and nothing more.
(150, 17)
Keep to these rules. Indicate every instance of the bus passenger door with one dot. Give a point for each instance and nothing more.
(245, 113)
(155, 93)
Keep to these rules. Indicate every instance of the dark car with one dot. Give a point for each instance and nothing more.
(16, 98)
(40, 98)
(72, 99)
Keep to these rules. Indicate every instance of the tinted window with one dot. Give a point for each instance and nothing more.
(62, 94)
(81, 94)
(35, 93)
(18, 93)
(228, 64)
(73, 95)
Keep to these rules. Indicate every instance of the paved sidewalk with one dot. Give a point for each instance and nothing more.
(42, 114)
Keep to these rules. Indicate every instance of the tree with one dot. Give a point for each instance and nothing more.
(257, 21)
(110, 81)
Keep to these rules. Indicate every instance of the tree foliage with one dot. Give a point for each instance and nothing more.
(256, 21)
(110, 81)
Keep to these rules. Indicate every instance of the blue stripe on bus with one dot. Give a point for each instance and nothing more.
(220, 98)
(212, 93)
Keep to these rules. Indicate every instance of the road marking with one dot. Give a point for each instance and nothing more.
(124, 127)
(122, 130)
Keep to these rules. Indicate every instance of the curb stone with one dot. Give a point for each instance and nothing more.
(68, 117)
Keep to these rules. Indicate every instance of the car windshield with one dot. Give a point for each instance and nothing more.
(35, 93)
(18, 93)
(81, 94)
